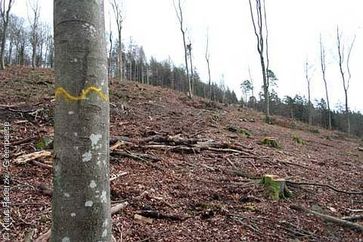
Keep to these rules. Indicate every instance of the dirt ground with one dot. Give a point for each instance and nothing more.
(194, 194)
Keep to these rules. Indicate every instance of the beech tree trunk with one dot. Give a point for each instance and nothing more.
(81, 197)
(4, 13)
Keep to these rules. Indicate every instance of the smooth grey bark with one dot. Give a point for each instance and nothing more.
(346, 76)
(323, 71)
(207, 59)
(5, 13)
(81, 197)
(179, 14)
(308, 80)
(259, 23)
(189, 47)
(110, 54)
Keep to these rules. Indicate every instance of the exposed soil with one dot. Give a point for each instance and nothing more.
(212, 195)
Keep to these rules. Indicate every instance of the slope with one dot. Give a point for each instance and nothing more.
(189, 169)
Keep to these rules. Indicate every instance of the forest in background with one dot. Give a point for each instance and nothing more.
(30, 43)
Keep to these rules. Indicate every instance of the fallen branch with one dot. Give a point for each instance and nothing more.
(294, 164)
(353, 218)
(329, 218)
(20, 160)
(116, 208)
(26, 140)
(157, 215)
(136, 156)
(324, 185)
(114, 177)
(40, 164)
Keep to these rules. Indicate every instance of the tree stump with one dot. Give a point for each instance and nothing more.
(276, 187)
(271, 142)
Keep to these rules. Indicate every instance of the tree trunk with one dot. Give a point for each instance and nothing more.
(110, 56)
(347, 110)
(190, 92)
(265, 88)
(34, 54)
(120, 55)
(3, 41)
(192, 72)
(11, 44)
(81, 197)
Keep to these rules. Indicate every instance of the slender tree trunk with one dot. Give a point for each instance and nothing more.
(207, 55)
(346, 76)
(265, 88)
(347, 110)
(110, 56)
(307, 77)
(209, 81)
(192, 81)
(179, 13)
(5, 13)
(81, 194)
(190, 92)
(34, 54)
(120, 55)
(323, 71)
(259, 23)
(328, 103)
(3, 42)
(10, 61)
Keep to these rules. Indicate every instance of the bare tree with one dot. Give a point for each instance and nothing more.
(117, 10)
(5, 7)
(323, 71)
(207, 59)
(189, 47)
(110, 52)
(308, 81)
(179, 13)
(343, 62)
(81, 195)
(34, 26)
(259, 21)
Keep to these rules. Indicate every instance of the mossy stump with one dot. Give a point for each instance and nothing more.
(276, 187)
(271, 142)
(298, 140)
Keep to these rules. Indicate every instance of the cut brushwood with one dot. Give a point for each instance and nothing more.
(329, 218)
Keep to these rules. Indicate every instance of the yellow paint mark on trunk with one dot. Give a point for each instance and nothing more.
(60, 91)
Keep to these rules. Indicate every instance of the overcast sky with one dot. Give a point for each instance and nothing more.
(294, 27)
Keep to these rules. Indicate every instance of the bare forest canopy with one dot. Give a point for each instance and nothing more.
(33, 45)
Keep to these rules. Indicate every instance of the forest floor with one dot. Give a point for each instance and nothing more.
(193, 193)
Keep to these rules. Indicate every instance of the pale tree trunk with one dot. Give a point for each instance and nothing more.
(110, 55)
(179, 14)
(81, 197)
(116, 6)
(308, 80)
(346, 76)
(323, 71)
(120, 61)
(34, 31)
(191, 68)
(5, 13)
(259, 22)
(207, 57)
